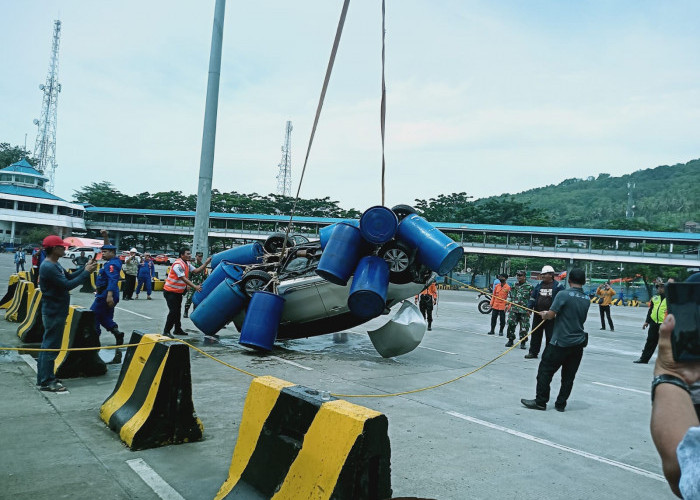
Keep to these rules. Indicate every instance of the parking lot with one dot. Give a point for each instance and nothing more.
(468, 439)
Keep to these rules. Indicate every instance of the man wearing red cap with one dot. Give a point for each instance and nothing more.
(55, 285)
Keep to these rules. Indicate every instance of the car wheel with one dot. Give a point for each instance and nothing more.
(255, 281)
(400, 258)
(274, 243)
(403, 211)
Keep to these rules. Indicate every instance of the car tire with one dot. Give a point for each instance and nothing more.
(274, 242)
(399, 257)
(255, 281)
(403, 211)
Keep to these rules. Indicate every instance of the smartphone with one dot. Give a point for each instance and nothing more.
(683, 300)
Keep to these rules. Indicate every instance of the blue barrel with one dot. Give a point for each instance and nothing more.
(378, 225)
(217, 276)
(325, 232)
(262, 318)
(435, 250)
(219, 307)
(339, 258)
(245, 254)
(369, 286)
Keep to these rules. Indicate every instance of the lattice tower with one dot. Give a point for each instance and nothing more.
(284, 177)
(45, 146)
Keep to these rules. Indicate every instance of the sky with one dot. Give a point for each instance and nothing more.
(483, 97)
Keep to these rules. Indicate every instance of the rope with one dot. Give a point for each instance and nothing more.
(383, 105)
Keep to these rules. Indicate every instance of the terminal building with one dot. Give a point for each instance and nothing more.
(25, 204)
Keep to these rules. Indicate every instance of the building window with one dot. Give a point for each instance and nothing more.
(45, 209)
(7, 204)
(26, 206)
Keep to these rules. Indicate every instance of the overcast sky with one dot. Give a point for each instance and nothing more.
(484, 97)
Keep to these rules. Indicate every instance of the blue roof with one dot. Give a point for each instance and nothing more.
(23, 167)
(445, 226)
(28, 191)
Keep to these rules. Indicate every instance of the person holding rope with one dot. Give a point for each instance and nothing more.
(519, 296)
(55, 300)
(565, 350)
(541, 298)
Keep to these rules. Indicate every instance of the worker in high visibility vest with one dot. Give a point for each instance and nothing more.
(655, 316)
(175, 286)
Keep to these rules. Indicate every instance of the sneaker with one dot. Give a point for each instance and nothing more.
(168, 334)
(53, 386)
(532, 404)
(148, 298)
(430, 328)
(180, 332)
(136, 298)
(612, 329)
(490, 333)
(560, 408)
(640, 361)
(529, 355)
(509, 343)
(603, 328)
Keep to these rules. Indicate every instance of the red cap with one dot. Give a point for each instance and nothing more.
(54, 241)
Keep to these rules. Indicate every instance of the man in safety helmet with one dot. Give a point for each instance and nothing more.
(541, 298)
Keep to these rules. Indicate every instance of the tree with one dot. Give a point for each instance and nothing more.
(12, 154)
(101, 194)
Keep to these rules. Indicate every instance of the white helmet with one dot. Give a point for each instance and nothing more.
(547, 269)
(133, 250)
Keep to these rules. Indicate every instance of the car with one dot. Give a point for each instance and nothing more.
(164, 259)
(74, 252)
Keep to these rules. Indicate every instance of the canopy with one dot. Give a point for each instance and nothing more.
(74, 241)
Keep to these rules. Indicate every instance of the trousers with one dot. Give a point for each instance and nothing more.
(499, 314)
(553, 358)
(144, 283)
(426, 309)
(174, 301)
(53, 333)
(104, 315)
(536, 336)
(652, 341)
(605, 311)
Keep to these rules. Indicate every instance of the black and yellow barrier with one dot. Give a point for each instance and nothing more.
(151, 405)
(17, 311)
(31, 330)
(617, 302)
(595, 300)
(11, 288)
(292, 444)
(79, 332)
(25, 275)
(158, 285)
(89, 285)
(633, 303)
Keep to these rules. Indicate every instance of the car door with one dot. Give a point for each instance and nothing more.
(302, 300)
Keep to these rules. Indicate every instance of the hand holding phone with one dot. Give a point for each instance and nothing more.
(683, 301)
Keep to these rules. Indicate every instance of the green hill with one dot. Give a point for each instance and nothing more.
(664, 198)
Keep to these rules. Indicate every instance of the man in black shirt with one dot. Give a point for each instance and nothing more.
(541, 298)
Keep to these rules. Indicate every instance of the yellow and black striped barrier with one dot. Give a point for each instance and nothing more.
(158, 285)
(292, 444)
(25, 275)
(595, 300)
(19, 306)
(151, 404)
(31, 330)
(79, 331)
(633, 303)
(617, 302)
(11, 288)
(89, 284)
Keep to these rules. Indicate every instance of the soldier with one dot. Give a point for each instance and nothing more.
(520, 295)
(197, 279)
(107, 296)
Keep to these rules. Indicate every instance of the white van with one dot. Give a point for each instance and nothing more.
(74, 252)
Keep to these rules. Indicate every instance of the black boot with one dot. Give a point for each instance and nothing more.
(118, 336)
(509, 343)
(187, 310)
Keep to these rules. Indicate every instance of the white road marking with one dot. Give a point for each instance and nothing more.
(153, 480)
(646, 393)
(131, 312)
(598, 348)
(290, 362)
(30, 361)
(585, 454)
(438, 350)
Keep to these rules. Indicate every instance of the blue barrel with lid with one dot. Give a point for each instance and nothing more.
(435, 249)
(378, 225)
(251, 253)
(262, 318)
(217, 276)
(342, 252)
(369, 287)
(219, 307)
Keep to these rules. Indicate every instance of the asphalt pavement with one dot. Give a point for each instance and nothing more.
(468, 439)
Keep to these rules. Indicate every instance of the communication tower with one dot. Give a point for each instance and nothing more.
(629, 212)
(284, 177)
(45, 146)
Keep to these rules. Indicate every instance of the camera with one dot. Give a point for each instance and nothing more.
(683, 300)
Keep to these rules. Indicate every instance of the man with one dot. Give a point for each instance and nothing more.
(145, 276)
(55, 299)
(197, 279)
(20, 258)
(131, 270)
(175, 285)
(675, 428)
(426, 300)
(655, 316)
(565, 350)
(498, 304)
(107, 294)
(606, 294)
(519, 295)
(541, 299)
(80, 260)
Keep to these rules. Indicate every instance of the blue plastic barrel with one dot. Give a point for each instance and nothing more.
(217, 276)
(369, 287)
(262, 318)
(245, 254)
(219, 307)
(435, 250)
(378, 225)
(342, 252)
(325, 232)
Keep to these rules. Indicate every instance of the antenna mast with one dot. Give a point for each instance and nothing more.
(284, 177)
(45, 146)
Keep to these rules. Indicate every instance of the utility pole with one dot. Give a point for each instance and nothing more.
(45, 146)
(284, 177)
(206, 162)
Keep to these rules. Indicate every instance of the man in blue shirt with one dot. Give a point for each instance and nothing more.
(569, 311)
(107, 296)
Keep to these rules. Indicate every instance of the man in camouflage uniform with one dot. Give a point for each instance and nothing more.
(195, 278)
(519, 294)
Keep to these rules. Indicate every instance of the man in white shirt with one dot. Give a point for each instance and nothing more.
(175, 286)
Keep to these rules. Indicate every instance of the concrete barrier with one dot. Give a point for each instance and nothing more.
(151, 405)
(31, 330)
(11, 288)
(79, 332)
(292, 444)
(17, 311)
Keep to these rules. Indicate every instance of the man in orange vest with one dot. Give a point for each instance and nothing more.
(175, 286)
(426, 300)
(498, 304)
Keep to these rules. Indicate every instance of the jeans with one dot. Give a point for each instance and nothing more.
(500, 314)
(553, 358)
(652, 341)
(536, 336)
(174, 301)
(144, 283)
(18, 265)
(605, 311)
(53, 333)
